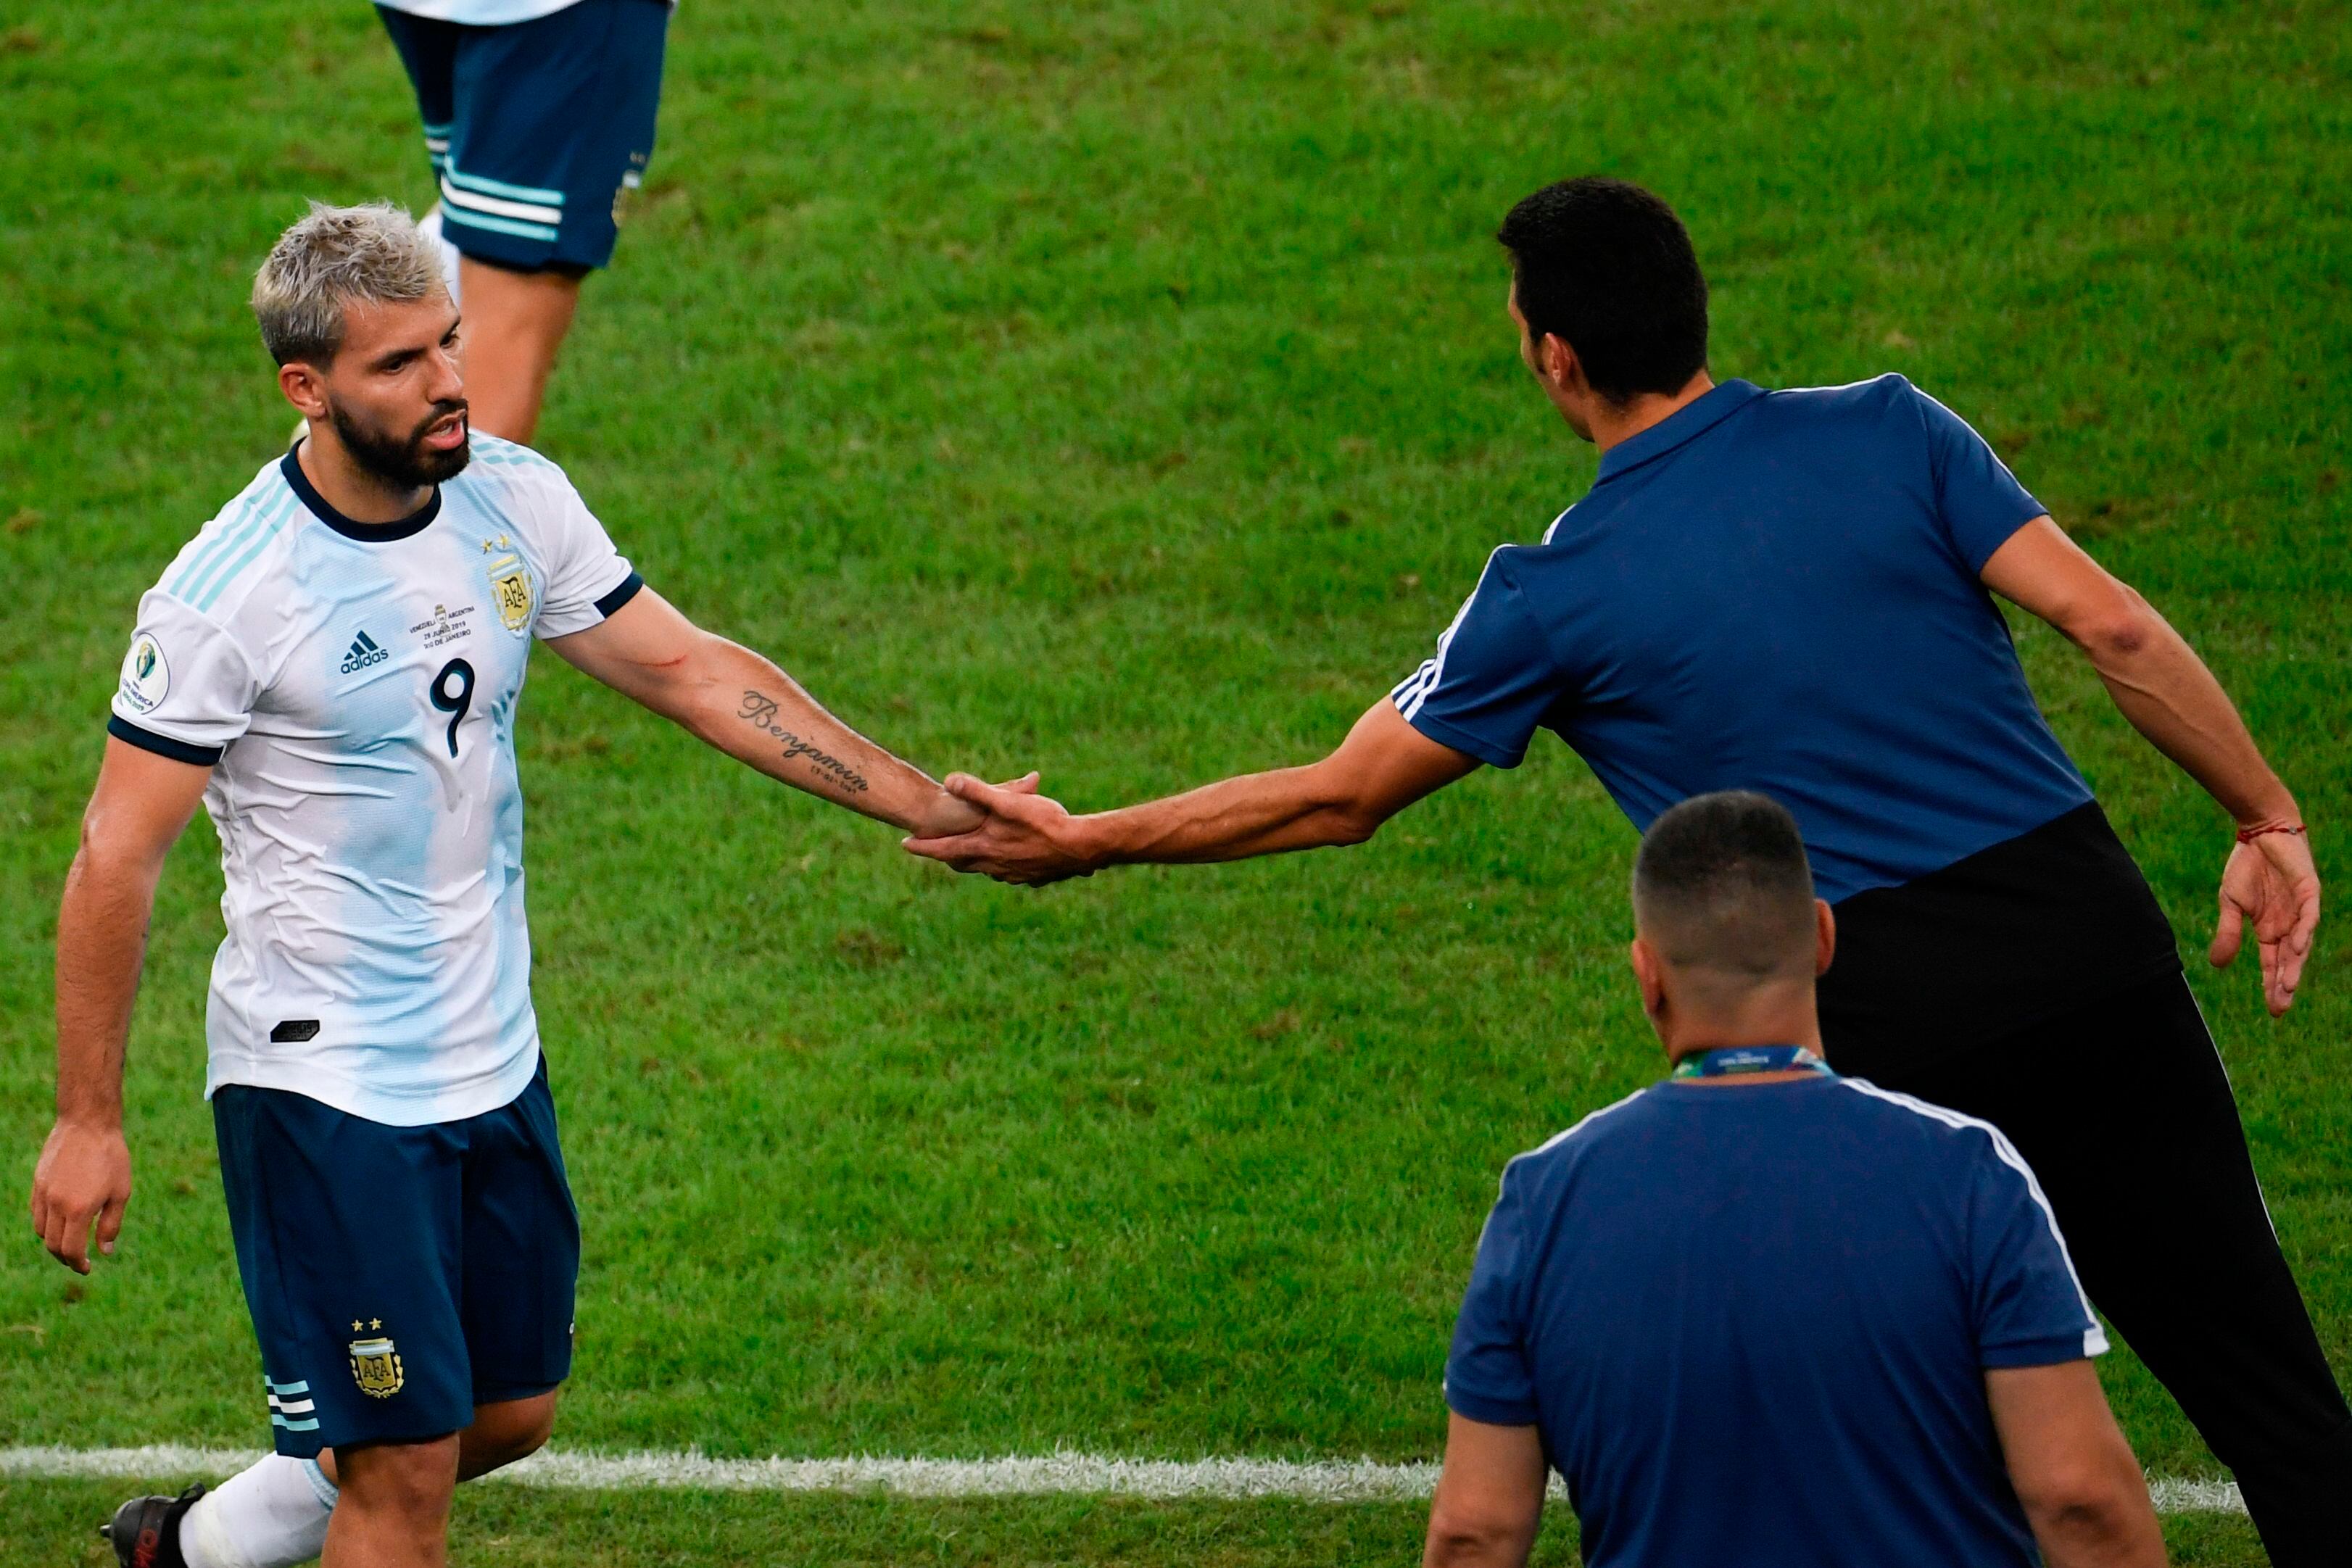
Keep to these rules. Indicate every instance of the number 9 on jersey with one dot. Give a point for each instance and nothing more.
(452, 691)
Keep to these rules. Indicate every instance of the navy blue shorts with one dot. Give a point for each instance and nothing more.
(537, 130)
(398, 1276)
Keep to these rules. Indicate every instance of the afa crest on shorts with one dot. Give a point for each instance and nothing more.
(509, 582)
(375, 1367)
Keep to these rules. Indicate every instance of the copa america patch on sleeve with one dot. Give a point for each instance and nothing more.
(146, 674)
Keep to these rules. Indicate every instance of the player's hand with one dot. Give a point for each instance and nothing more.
(947, 816)
(2271, 884)
(83, 1176)
(1026, 838)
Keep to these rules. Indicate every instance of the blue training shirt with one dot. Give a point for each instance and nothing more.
(1751, 1324)
(1774, 590)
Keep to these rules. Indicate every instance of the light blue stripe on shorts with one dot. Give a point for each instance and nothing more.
(450, 214)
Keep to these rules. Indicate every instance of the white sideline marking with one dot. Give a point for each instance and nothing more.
(1321, 1480)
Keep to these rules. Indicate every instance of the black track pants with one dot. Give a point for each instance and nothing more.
(2124, 1114)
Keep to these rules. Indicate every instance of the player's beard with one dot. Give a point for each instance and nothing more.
(402, 462)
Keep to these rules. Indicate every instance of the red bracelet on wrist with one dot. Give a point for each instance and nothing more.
(2248, 835)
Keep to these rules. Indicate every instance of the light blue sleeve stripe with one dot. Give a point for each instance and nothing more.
(226, 547)
(258, 523)
(501, 188)
(311, 1425)
(440, 130)
(499, 225)
(206, 596)
(303, 1387)
(208, 550)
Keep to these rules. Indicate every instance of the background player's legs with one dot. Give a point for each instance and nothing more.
(552, 123)
(2125, 1115)
(394, 1507)
(515, 322)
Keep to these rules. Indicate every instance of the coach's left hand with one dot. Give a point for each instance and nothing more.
(2271, 884)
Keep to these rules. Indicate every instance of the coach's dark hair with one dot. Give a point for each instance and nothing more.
(1722, 884)
(1607, 268)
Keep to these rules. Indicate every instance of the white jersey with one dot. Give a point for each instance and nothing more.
(481, 12)
(353, 690)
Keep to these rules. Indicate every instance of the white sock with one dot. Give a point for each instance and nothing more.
(272, 1516)
(430, 226)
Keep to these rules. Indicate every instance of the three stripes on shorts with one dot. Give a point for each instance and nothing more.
(527, 212)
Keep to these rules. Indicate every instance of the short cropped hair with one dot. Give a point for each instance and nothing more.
(1608, 268)
(1722, 884)
(331, 259)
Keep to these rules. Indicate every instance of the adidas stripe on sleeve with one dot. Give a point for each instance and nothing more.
(1492, 680)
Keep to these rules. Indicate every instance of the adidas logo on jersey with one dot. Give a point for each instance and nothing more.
(363, 652)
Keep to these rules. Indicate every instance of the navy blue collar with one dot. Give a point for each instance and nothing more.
(1686, 423)
(417, 522)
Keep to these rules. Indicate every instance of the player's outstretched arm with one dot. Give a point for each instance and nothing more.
(83, 1177)
(1383, 766)
(2165, 690)
(738, 702)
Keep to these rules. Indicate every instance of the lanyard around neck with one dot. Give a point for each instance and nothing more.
(1737, 1061)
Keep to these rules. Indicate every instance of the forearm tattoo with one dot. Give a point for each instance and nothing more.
(760, 711)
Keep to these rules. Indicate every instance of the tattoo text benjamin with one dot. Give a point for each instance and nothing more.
(759, 711)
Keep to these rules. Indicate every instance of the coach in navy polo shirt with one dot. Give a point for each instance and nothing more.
(1762, 1315)
(1790, 591)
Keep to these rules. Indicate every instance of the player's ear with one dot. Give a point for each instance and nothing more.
(1824, 938)
(304, 387)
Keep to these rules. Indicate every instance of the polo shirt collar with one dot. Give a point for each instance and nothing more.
(1685, 424)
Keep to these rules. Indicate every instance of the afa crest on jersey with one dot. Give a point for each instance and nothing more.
(375, 1367)
(509, 583)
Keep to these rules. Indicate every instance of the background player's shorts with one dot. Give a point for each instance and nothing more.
(398, 1276)
(537, 129)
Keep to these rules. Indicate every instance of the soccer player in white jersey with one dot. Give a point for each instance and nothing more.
(332, 665)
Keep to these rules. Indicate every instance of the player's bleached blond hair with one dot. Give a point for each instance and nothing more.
(331, 258)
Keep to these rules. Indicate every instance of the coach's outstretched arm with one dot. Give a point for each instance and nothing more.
(1383, 766)
(738, 702)
(139, 808)
(2165, 690)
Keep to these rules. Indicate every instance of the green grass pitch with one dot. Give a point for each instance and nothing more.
(1124, 388)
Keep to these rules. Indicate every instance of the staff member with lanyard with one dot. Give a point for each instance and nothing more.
(1759, 1314)
(1786, 591)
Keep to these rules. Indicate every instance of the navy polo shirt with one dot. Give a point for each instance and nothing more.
(1752, 1325)
(1780, 591)
(1773, 590)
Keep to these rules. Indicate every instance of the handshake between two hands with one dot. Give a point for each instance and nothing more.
(1007, 830)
